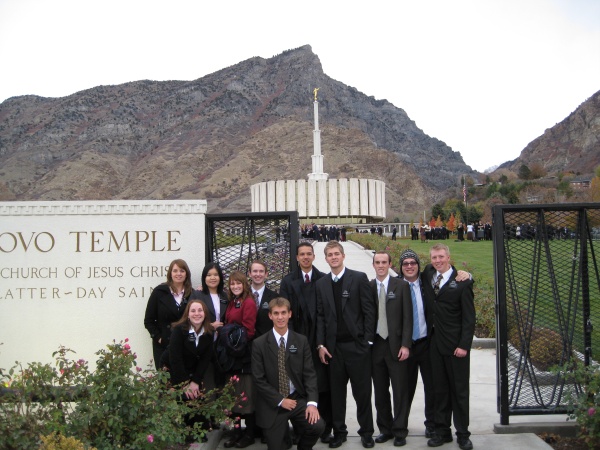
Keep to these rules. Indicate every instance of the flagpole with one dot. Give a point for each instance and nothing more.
(465, 200)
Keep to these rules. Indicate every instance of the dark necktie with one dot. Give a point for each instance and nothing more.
(284, 381)
(436, 286)
(306, 278)
(256, 299)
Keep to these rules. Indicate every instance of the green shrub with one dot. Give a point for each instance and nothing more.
(119, 405)
(585, 404)
(57, 441)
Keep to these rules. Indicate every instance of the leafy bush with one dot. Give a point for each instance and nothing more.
(57, 441)
(585, 405)
(119, 405)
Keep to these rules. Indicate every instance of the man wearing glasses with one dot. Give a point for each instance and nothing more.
(419, 353)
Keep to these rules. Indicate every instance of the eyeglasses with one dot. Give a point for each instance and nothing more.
(409, 263)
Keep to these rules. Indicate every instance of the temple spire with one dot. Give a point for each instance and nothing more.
(317, 158)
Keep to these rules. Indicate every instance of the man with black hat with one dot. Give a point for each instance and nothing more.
(418, 360)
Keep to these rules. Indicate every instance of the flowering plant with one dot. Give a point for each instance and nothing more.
(119, 405)
(585, 404)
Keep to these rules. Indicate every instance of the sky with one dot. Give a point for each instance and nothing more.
(484, 76)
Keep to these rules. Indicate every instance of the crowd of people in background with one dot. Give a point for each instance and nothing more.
(294, 352)
(323, 233)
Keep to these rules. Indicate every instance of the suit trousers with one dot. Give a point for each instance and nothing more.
(351, 361)
(386, 368)
(419, 361)
(451, 381)
(308, 434)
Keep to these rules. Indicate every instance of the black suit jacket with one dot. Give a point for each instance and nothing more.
(206, 298)
(299, 367)
(263, 323)
(399, 313)
(303, 299)
(188, 362)
(358, 309)
(161, 312)
(451, 312)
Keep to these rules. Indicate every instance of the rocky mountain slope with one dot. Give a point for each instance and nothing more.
(215, 136)
(572, 145)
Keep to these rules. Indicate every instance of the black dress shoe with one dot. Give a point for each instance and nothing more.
(232, 440)
(399, 441)
(465, 444)
(383, 438)
(438, 440)
(326, 438)
(337, 441)
(367, 441)
(245, 441)
(429, 432)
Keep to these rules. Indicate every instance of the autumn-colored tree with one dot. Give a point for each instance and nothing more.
(451, 224)
(432, 222)
(438, 222)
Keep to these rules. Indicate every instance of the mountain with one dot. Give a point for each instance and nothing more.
(215, 136)
(572, 145)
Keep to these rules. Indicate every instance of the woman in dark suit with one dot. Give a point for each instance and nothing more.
(190, 352)
(166, 305)
(190, 349)
(213, 294)
(215, 298)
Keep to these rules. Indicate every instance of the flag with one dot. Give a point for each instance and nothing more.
(464, 192)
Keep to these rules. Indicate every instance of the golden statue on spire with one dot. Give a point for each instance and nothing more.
(315, 91)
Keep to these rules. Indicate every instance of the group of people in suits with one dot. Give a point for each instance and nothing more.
(324, 330)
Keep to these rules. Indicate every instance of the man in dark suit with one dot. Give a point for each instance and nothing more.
(391, 349)
(258, 274)
(285, 381)
(345, 333)
(299, 288)
(451, 325)
(419, 352)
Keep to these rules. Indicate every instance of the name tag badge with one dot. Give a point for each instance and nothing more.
(265, 305)
(453, 285)
(391, 295)
(293, 349)
(345, 295)
(191, 337)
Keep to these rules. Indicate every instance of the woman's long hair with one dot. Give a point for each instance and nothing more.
(187, 284)
(185, 319)
(242, 278)
(221, 285)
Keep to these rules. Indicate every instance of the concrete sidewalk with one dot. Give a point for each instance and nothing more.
(483, 409)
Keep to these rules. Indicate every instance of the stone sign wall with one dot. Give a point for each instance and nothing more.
(79, 274)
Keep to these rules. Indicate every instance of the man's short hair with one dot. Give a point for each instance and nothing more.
(278, 302)
(334, 244)
(440, 247)
(381, 252)
(262, 263)
(304, 244)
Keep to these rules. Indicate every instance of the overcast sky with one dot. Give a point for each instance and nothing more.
(484, 76)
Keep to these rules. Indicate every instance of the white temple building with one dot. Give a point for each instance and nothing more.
(320, 199)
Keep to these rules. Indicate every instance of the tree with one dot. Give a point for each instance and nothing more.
(438, 222)
(524, 172)
(437, 210)
(451, 224)
(537, 171)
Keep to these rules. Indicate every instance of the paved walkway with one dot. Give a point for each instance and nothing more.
(483, 410)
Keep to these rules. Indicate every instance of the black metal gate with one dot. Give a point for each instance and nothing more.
(235, 240)
(547, 302)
